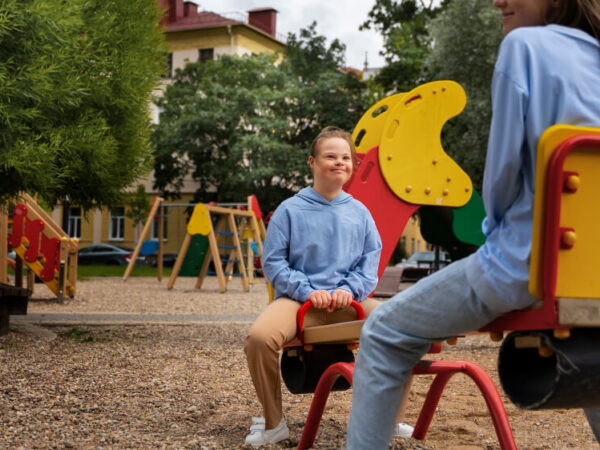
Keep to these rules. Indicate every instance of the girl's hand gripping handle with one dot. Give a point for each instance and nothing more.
(360, 314)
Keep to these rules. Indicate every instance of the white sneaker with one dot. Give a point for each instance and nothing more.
(258, 423)
(403, 430)
(260, 436)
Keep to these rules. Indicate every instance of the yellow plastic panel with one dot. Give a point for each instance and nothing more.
(575, 213)
(578, 267)
(412, 160)
(370, 125)
(200, 221)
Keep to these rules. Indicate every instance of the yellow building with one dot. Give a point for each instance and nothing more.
(191, 36)
(412, 241)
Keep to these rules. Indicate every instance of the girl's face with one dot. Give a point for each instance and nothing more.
(332, 166)
(523, 13)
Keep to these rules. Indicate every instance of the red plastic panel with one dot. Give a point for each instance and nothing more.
(51, 253)
(254, 206)
(389, 212)
(18, 225)
(33, 230)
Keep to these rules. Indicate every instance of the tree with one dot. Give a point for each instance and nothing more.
(327, 95)
(226, 120)
(138, 205)
(244, 125)
(75, 85)
(467, 56)
(403, 25)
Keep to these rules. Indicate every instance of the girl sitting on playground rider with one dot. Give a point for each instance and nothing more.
(547, 72)
(321, 246)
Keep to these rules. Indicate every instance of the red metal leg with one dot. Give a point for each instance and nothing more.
(431, 402)
(331, 374)
(444, 371)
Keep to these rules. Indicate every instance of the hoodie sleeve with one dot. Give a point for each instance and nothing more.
(293, 283)
(502, 178)
(361, 279)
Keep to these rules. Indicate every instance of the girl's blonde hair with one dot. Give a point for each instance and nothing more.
(582, 14)
(330, 132)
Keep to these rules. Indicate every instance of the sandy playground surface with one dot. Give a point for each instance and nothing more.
(186, 386)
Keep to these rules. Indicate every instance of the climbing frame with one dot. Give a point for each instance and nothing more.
(43, 246)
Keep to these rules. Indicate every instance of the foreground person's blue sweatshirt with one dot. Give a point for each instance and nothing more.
(314, 244)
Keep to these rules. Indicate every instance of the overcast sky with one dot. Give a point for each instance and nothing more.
(335, 19)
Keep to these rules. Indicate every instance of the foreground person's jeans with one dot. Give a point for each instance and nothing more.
(397, 335)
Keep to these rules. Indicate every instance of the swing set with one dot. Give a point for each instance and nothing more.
(235, 232)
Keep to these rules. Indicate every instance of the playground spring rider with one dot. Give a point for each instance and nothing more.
(550, 368)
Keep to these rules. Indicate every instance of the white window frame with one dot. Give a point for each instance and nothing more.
(74, 222)
(116, 227)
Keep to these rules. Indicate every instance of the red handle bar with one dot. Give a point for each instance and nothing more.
(360, 314)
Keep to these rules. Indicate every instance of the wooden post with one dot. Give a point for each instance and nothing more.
(161, 235)
(214, 254)
(238, 248)
(145, 230)
(250, 263)
(203, 269)
(178, 263)
(30, 280)
(73, 264)
(214, 249)
(18, 271)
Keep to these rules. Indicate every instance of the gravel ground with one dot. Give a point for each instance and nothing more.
(188, 387)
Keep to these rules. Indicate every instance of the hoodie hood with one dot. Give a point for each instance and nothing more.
(309, 195)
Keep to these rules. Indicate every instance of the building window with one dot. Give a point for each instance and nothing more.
(117, 224)
(169, 68)
(205, 54)
(156, 112)
(154, 228)
(419, 245)
(74, 224)
(412, 245)
(403, 242)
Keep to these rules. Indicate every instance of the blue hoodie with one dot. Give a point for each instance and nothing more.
(313, 244)
(543, 76)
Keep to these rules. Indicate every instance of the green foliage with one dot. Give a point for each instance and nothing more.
(226, 120)
(75, 83)
(403, 25)
(243, 125)
(139, 206)
(85, 336)
(467, 55)
(309, 56)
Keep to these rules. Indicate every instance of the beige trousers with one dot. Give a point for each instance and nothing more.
(275, 327)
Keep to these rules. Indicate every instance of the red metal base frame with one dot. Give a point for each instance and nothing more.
(443, 371)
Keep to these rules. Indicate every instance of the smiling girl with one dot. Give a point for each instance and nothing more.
(321, 246)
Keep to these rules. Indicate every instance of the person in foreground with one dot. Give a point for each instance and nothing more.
(547, 72)
(321, 246)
